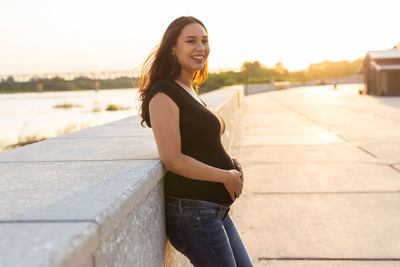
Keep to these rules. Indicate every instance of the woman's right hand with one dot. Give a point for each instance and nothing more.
(234, 184)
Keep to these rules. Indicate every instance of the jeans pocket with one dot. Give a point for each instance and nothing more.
(210, 227)
(204, 212)
(207, 220)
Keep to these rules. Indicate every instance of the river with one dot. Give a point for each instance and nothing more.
(33, 115)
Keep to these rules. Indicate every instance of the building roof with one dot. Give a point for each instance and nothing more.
(385, 67)
(384, 54)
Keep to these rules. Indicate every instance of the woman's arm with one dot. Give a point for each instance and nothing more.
(164, 117)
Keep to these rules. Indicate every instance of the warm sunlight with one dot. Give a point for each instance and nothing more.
(61, 36)
(282, 151)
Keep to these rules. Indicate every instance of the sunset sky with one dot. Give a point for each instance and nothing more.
(49, 36)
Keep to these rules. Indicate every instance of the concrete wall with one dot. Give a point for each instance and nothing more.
(267, 87)
(94, 197)
(251, 89)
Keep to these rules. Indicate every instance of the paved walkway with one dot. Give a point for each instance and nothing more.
(322, 178)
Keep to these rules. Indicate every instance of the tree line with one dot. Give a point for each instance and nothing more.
(256, 72)
(250, 72)
(59, 84)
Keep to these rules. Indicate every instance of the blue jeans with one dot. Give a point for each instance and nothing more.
(204, 232)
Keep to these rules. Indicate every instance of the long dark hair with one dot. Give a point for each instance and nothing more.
(160, 64)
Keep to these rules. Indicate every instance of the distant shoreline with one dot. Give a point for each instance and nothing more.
(60, 91)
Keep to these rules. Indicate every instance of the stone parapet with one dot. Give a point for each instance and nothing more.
(94, 197)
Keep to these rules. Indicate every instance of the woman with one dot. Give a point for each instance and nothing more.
(201, 180)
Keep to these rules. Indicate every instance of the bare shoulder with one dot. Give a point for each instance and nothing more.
(160, 101)
(163, 111)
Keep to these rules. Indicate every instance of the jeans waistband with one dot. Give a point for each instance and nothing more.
(195, 202)
(182, 203)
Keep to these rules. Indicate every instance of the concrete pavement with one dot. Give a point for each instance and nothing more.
(322, 178)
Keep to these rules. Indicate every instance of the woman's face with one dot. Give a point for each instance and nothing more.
(191, 49)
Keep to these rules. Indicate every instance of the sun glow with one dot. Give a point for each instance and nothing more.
(60, 36)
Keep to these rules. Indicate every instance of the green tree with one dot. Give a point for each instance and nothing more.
(10, 79)
(330, 69)
(253, 69)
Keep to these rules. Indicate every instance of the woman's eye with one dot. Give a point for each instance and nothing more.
(194, 41)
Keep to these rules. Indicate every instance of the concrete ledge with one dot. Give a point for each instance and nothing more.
(93, 197)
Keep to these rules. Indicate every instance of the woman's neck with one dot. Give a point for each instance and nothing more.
(186, 78)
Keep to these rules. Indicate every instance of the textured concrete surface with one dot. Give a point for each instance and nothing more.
(33, 185)
(45, 243)
(93, 197)
(136, 240)
(81, 149)
(322, 178)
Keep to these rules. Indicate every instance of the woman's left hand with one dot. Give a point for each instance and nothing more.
(238, 167)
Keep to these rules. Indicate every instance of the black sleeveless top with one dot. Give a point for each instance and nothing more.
(201, 129)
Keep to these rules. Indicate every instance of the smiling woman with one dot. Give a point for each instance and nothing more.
(202, 180)
(187, 53)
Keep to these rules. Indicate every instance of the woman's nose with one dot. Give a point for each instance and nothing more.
(200, 46)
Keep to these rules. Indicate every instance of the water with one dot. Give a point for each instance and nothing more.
(25, 115)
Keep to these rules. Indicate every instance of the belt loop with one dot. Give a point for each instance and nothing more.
(196, 211)
(180, 207)
(227, 212)
(220, 210)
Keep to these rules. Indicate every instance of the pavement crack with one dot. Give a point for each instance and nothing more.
(320, 125)
(342, 137)
(394, 167)
(303, 115)
(325, 259)
(327, 192)
(366, 151)
(308, 162)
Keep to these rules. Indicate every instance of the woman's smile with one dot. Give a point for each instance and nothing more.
(198, 59)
